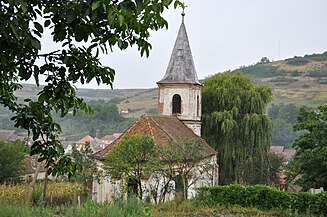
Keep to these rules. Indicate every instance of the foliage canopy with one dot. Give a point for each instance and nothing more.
(310, 159)
(283, 116)
(12, 157)
(234, 123)
(132, 158)
(103, 24)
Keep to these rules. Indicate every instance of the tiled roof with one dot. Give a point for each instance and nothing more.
(181, 69)
(116, 135)
(97, 144)
(108, 137)
(7, 132)
(287, 153)
(162, 129)
(8, 137)
(277, 149)
(85, 139)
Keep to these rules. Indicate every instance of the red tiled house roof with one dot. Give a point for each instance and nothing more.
(84, 140)
(162, 129)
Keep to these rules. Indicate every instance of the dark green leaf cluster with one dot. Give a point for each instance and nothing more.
(260, 70)
(309, 165)
(283, 116)
(86, 166)
(99, 24)
(297, 61)
(132, 158)
(235, 125)
(12, 157)
(264, 198)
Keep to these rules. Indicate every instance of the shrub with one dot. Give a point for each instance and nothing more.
(298, 61)
(317, 74)
(260, 71)
(295, 73)
(283, 80)
(263, 198)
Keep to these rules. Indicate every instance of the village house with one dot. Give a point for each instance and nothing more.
(178, 120)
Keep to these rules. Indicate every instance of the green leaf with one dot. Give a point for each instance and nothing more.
(47, 23)
(38, 27)
(35, 43)
(15, 30)
(95, 5)
(24, 6)
(120, 19)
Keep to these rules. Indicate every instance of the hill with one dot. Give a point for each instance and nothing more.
(299, 80)
(136, 101)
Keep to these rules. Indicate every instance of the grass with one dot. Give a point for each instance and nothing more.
(129, 208)
(134, 208)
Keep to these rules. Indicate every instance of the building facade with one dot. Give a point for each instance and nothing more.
(178, 121)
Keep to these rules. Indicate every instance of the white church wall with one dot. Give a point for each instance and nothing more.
(106, 190)
(190, 104)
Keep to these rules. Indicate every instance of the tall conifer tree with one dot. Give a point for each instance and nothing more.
(235, 124)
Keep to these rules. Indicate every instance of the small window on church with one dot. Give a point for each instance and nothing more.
(177, 104)
(197, 105)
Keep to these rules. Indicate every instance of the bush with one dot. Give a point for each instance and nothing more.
(283, 80)
(295, 73)
(317, 74)
(263, 198)
(260, 71)
(298, 61)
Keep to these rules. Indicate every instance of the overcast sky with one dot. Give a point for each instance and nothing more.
(227, 34)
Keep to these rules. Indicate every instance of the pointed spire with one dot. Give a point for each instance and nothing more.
(181, 67)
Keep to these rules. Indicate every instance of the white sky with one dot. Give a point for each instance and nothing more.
(226, 34)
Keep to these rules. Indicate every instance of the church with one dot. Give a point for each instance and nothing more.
(178, 119)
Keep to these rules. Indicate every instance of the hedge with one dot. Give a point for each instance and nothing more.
(264, 198)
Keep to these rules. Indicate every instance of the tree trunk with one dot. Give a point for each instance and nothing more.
(44, 195)
(140, 188)
(32, 186)
(185, 187)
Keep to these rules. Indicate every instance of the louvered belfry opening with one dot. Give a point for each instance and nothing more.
(177, 104)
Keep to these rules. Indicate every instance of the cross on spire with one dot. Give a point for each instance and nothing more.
(183, 15)
(183, 12)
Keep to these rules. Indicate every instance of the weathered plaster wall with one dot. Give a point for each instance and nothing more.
(105, 190)
(190, 103)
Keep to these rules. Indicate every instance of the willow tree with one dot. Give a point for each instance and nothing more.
(235, 124)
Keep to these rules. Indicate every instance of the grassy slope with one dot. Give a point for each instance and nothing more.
(301, 80)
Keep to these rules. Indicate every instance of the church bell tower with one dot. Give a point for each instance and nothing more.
(180, 90)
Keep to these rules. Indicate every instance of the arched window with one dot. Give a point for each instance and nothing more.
(177, 104)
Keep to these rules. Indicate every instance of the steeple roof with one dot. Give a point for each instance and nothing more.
(181, 67)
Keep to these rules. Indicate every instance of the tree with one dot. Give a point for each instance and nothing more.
(131, 159)
(88, 167)
(12, 155)
(102, 24)
(283, 116)
(184, 164)
(282, 133)
(264, 60)
(235, 125)
(309, 165)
